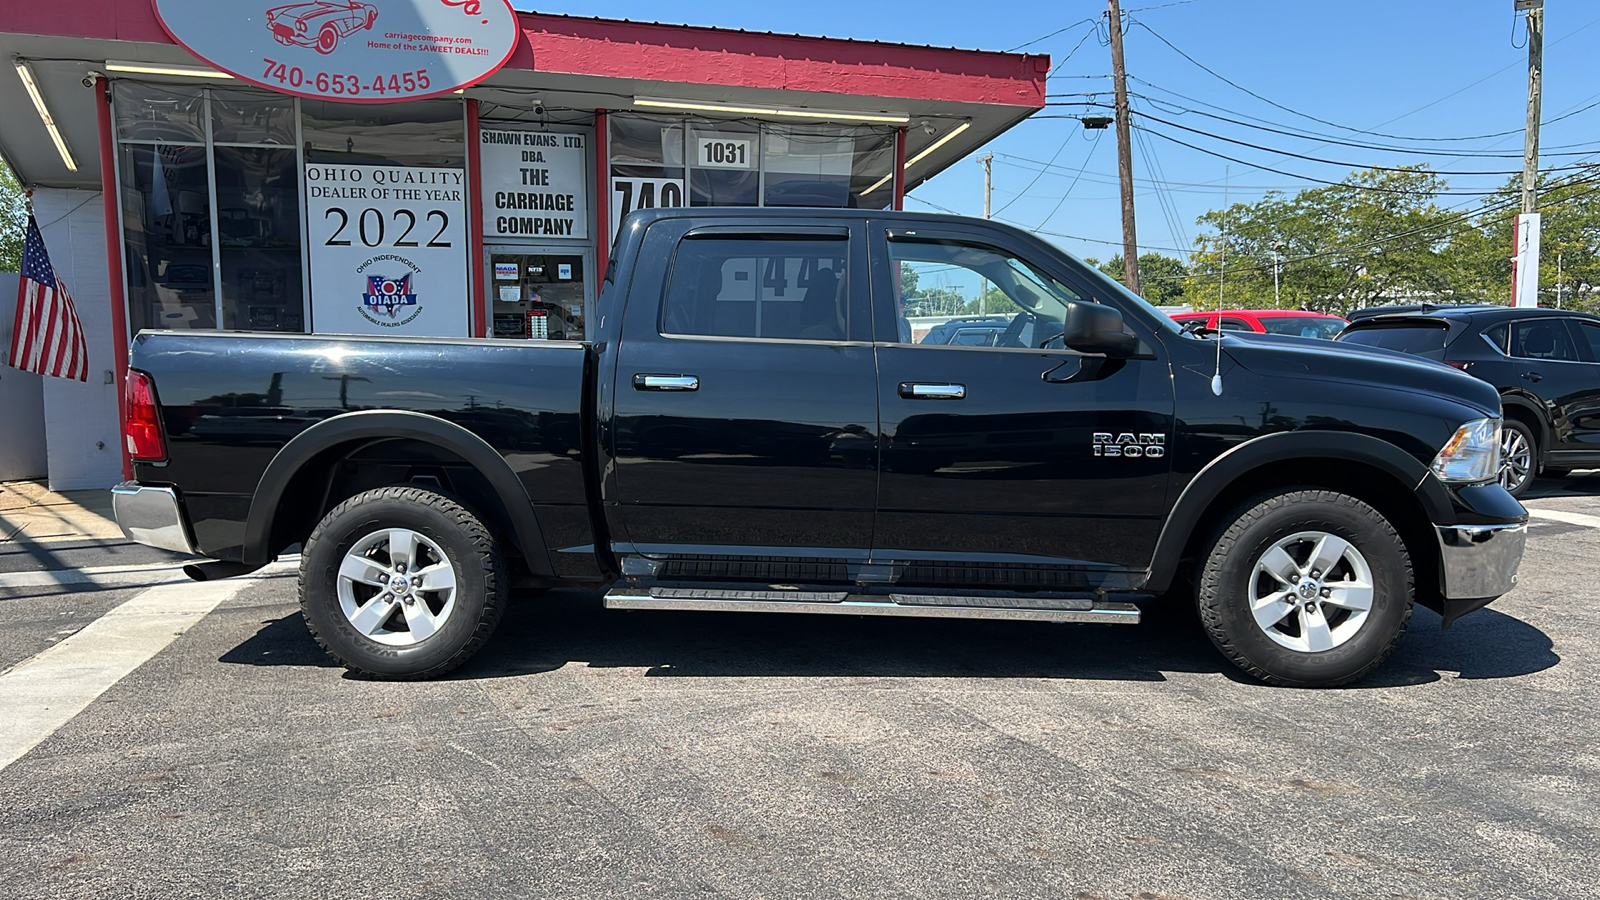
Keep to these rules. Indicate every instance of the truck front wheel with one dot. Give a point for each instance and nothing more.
(1306, 588)
(401, 583)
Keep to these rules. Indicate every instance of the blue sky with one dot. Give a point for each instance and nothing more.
(1419, 69)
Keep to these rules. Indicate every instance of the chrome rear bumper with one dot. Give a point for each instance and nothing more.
(151, 516)
(1480, 561)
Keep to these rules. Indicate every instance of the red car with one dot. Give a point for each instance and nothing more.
(1269, 321)
(321, 23)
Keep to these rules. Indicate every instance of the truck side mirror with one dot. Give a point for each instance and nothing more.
(1096, 328)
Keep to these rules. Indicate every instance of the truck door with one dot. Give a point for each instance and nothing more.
(745, 411)
(1009, 464)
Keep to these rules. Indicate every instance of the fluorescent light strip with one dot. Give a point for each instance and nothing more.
(26, 73)
(782, 111)
(920, 156)
(134, 68)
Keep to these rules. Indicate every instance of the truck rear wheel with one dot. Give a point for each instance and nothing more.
(1306, 588)
(401, 583)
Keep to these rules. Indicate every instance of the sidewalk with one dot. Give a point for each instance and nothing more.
(32, 513)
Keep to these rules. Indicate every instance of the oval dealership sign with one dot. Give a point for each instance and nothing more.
(353, 51)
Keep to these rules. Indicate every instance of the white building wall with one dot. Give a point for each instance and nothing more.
(80, 418)
(21, 401)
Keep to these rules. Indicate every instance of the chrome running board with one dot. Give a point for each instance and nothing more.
(845, 603)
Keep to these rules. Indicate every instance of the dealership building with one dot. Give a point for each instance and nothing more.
(444, 168)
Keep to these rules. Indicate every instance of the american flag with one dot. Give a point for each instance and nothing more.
(48, 339)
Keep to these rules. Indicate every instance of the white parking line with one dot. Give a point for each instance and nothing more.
(43, 693)
(1561, 515)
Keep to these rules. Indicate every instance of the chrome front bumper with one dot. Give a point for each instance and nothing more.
(1480, 561)
(151, 516)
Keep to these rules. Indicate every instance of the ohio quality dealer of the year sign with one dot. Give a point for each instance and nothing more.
(388, 250)
(353, 51)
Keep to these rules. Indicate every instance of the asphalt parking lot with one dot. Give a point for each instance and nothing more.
(594, 753)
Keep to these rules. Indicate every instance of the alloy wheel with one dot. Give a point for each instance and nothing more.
(397, 587)
(1311, 591)
(1516, 459)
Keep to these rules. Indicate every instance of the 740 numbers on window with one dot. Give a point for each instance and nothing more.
(372, 229)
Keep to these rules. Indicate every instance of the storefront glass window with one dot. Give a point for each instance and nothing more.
(166, 215)
(171, 114)
(724, 165)
(747, 164)
(210, 207)
(251, 117)
(258, 236)
(423, 133)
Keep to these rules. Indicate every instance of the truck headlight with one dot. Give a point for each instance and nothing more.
(1472, 453)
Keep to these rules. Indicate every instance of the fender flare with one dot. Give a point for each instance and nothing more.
(388, 424)
(1240, 460)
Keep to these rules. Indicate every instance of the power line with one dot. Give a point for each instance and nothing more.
(1040, 174)
(1326, 139)
(1346, 184)
(1053, 34)
(1291, 111)
(1081, 169)
(1331, 162)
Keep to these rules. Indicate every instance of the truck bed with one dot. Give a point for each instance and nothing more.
(231, 402)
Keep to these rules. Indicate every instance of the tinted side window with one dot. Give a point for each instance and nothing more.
(781, 287)
(1499, 336)
(1235, 325)
(1591, 332)
(1542, 339)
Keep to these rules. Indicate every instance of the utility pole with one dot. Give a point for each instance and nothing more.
(1119, 75)
(1277, 302)
(1525, 267)
(988, 186)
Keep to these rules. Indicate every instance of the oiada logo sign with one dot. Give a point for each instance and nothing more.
(352, 51)
(390, 302)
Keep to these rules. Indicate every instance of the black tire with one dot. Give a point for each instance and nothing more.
(1223, 594)
(1509, 479)
(477, 572)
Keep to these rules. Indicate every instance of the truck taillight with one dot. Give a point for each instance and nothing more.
(143, 424)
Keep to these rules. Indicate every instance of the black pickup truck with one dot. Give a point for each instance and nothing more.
(751, 427)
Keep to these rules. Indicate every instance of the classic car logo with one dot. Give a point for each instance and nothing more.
(1129, 444)
(321, 23)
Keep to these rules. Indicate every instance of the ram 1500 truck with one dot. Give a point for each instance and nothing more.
(751, 427)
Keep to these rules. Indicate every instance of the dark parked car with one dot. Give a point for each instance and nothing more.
(944, 331)
(1544, 362)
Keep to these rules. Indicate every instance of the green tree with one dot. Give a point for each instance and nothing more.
(1161, 278)
(13, 220)
(1377, 237)
(1569, 251)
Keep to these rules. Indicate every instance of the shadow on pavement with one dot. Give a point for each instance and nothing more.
(280, 642)
(545, 633)
(1577, 484)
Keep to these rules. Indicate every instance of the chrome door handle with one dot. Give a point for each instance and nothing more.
(917, 391)
(643, 382)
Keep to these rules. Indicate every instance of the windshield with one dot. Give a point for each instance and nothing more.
(1303, 326)
(1406, 338)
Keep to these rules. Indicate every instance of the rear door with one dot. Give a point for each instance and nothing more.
(1581, 403)
(745, 416)
(1546, 360)
(1009, 464)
